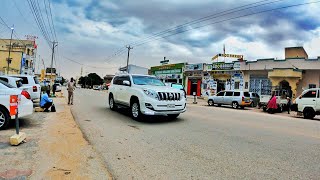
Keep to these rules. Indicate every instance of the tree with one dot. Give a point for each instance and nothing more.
(90, 80)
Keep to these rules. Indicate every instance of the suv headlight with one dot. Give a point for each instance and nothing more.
(151, 93)
(183, 95)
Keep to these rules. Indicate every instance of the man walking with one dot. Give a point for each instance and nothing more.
(71, 88)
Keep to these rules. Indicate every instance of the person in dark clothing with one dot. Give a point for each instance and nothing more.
(54, 88)
(288, 104)
(46, 102)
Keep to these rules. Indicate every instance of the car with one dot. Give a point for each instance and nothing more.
(25, 106)
(255, 99)
(308, 103)
(31, 84)
(234, 98)
(13, 81)
(145, 96)
(96, 87)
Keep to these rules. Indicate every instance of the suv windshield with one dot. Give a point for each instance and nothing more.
(6, 84)
(147, 80)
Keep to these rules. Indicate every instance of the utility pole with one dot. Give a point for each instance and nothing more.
(54, 45)
(9, 59)
(129, 48)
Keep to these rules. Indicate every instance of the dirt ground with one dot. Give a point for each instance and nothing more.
(55, 149)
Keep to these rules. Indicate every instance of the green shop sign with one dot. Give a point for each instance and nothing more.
(168, 69)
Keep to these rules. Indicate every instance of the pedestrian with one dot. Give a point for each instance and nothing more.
(54, 88)
(272, 104)
(70, 88)
(288, 104)
(46, 102)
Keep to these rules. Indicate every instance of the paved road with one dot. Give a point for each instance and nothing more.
(204, 143)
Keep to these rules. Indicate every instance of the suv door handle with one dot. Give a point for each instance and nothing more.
(314, 100)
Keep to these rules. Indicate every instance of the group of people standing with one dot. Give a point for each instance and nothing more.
(46, 102)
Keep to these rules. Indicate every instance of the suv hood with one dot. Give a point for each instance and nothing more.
(160, 88)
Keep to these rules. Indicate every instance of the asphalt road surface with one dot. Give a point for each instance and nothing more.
(203, 143)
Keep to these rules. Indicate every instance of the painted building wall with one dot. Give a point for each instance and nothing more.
(295, 52)
(309, 77)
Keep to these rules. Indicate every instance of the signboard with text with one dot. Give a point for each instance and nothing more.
(194, 67)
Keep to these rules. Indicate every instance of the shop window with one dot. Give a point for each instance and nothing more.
(310, 94)
(237, 85)
(312, 86)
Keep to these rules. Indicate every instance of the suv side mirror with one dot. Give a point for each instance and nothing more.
(126, 83)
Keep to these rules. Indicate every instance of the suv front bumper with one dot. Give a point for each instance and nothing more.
(162, 112)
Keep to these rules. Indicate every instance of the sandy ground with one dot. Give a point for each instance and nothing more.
(64, 153)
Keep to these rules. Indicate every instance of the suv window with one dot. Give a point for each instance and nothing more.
(220, 94)
(229, 93)
(4, 79)
(236, 94)
(116, 80)
(24, 79)
(310, 94)
(246, 94)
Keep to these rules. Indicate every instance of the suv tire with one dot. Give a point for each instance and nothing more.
(4, 118)
(308, 113)
(112, 104)
(210, 102)
(235, 105)
(135, 110)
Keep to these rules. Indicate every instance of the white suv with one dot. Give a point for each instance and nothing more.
(308, 103)
(30, 84)
(145, 95)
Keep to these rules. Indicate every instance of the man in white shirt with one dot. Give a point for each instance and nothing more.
(71, 88)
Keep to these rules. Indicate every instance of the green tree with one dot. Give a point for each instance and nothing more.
(90, 80)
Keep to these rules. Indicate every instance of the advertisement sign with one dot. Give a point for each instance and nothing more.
(13, 105)
(228, 55)
(194, 67)
(222, 66)
(236, 66)
(170, 71)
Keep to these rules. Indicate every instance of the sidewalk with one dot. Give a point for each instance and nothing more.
(55, 149)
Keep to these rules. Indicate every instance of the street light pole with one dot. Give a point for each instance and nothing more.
(54, 44)
(9, 59)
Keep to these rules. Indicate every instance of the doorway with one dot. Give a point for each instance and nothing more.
(220, 86)
(285, 89)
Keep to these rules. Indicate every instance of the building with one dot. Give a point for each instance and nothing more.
(133, 69)
(194, 76)
(22, 56)
(173, 73)
(292, 75)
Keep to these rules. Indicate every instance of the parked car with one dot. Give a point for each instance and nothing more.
(255, 99)
(13, 81)
(96, 87)
(146, 96)
(308, 103)
(234, 98)
(25, 107)
(31, 84)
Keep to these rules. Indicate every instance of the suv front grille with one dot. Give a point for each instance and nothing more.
(166, 96)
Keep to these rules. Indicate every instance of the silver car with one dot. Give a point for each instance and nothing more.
(234, 98)
(255, 99)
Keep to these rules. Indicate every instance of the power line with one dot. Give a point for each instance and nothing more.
(54, 29)
(48, 19)
(237, 17)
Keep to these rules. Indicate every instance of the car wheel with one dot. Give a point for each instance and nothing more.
(280, 108)
(210, 102)
(173, 116)
(308, 113)
(112, 104)
(235, 105)
(4, 118)
(135, 110)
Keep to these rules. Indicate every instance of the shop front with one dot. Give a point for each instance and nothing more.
(170, 73)
(222, 76)
(194, 75)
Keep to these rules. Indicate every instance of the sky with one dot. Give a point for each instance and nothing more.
(91, 32)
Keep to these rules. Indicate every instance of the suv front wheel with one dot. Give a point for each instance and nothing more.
(112, 104)
(308, 113)
(135, 110)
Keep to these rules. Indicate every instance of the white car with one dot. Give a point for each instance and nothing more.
(25, 107)
(145, 95)
(13, 81)
(31, 84)
(58, 87)
(308, 103)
